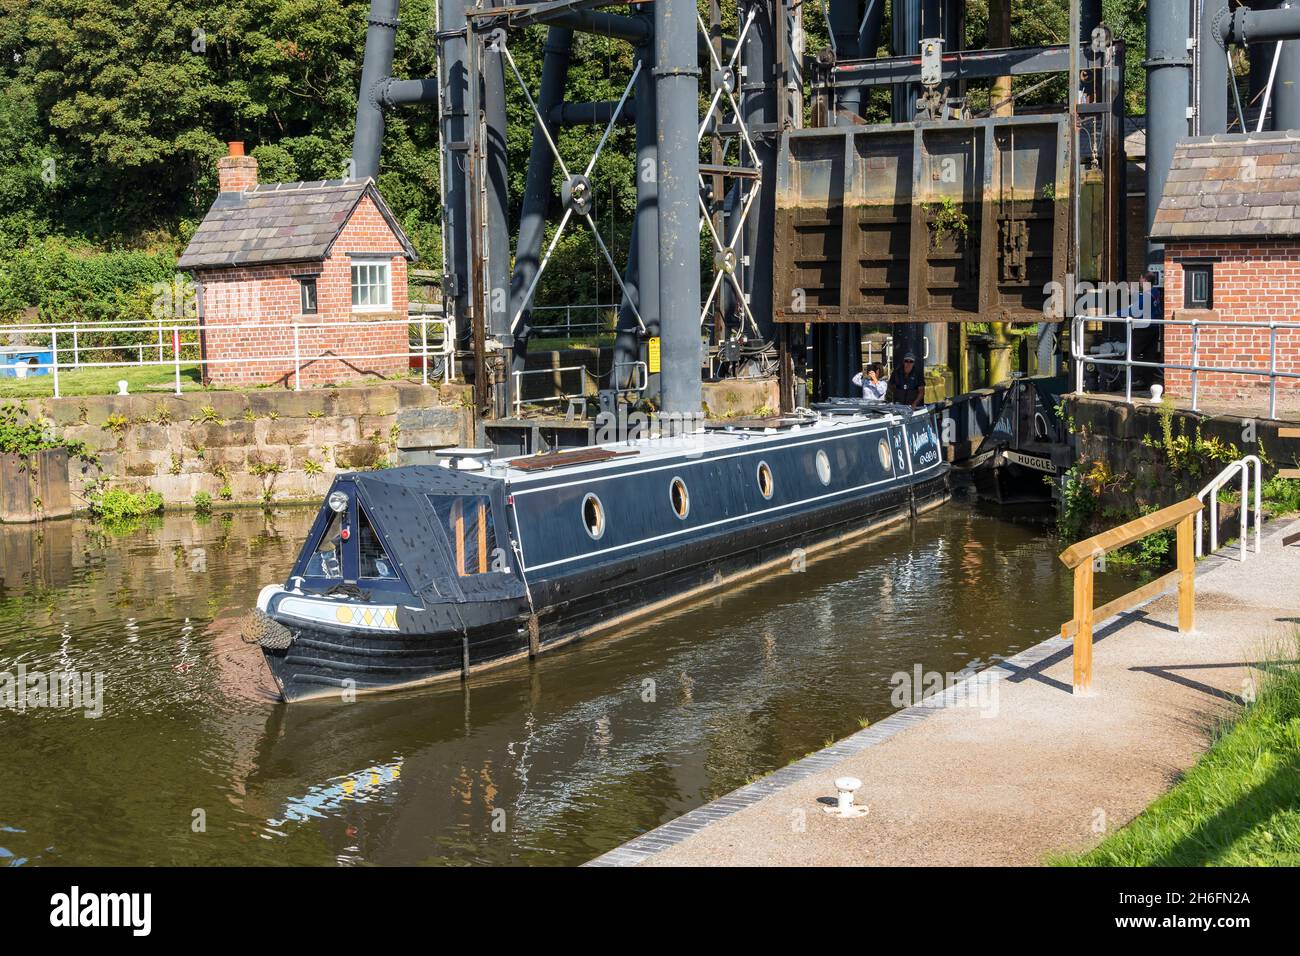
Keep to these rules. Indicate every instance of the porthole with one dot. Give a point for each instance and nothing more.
(886, 459)
(823, 467)
(1040, 426)
(765, 483)
(593, 516)
(680, 498)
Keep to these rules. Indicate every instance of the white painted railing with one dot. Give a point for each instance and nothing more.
(1242, 466)
(178, 344)
(1194, 367)
(562, 397)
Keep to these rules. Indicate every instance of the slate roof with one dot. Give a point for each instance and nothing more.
(1236, 186)
(281, 222)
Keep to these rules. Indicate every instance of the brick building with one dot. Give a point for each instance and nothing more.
(1230, 221)
(313, 254)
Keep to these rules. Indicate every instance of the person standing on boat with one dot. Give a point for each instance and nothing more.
(872, 382)
(907, 384)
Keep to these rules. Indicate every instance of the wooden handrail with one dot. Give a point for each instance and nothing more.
(1081, 558)
(1128, 532)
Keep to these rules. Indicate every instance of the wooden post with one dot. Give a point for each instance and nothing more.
(1187, 577)
(1083, 575)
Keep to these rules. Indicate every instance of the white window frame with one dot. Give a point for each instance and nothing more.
(387, 285)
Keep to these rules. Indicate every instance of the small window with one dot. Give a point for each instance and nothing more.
(680, 498)
(370, 285)
(882, 452)
(327, 560)
(823, 467)
(1198, 286)
(467, 519)
(375, 563)
(593, 516)
(307, 296)
(766, 484)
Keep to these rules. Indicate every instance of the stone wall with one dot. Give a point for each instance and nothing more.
(1127, 439)
(255, 446)
(737, 397)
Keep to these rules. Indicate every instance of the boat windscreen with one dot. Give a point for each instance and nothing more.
(420, 535)
(326, 559)
(467, 521)
(375, 563)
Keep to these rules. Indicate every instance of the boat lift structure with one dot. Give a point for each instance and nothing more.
(783, 218)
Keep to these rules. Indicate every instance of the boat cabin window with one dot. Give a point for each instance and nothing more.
(467, 519)
(326, 560)
(375, 562)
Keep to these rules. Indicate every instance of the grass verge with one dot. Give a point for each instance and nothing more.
(1239, 805)
(148, 379)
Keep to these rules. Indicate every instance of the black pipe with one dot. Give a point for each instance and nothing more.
(677, 91)
(495, 122)
(1244, 26)
(642, 275)
(591, 114)
(454, 159)
(635, 29)
(1286, 87)
(1169, 83)
(368, 136)
(843, 22)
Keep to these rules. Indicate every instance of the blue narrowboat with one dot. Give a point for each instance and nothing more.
(424, 572)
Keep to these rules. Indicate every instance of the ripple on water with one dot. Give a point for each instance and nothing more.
(548, 762)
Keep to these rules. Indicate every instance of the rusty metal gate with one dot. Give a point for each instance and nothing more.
(952, 221)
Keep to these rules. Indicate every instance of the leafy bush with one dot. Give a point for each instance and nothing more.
(202, 502)
(1281, 495)
(19, 434)
(117, 504)
(67, 281)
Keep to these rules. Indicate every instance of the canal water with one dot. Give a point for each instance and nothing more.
(192, 761)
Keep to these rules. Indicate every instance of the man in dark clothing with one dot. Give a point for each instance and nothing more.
(907, 385)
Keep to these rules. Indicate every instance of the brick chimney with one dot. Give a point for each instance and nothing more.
(236, 172)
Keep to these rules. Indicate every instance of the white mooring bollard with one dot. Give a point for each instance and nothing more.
(844, 805)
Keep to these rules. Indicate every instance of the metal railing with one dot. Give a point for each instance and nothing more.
(1081, 359)
(542, 323)
(1242, 465)
(643, 378)
(520, 401)
(182, 346)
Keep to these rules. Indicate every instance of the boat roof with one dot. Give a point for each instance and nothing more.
(718, 436)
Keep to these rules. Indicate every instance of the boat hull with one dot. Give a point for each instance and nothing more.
(328, 661)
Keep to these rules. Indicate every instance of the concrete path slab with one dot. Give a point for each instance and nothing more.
(1010, 766)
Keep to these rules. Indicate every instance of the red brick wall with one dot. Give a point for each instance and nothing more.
(1253, 282)
(236, 173)
(256, 295)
